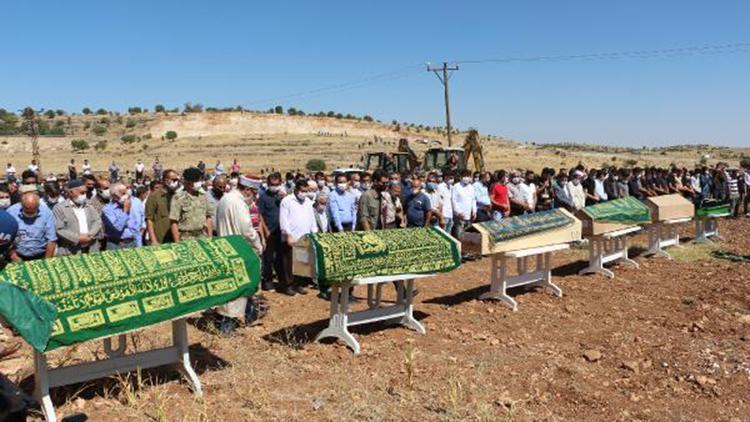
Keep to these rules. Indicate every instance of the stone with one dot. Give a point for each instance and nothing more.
(592, 355)
(631, 366)
(745, 319)
(704, 381)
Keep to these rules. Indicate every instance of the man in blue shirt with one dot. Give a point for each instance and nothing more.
(481, 190)
(273, 254)
(342, 206)
(36, 237)
(122, 221)
(418, 207)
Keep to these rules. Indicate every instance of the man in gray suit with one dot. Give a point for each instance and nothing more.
(78, 224)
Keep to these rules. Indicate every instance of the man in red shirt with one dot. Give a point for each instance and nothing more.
(499, 196)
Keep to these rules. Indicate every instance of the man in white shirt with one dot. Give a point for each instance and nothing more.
(233, 218)
(86, 168)
(577, 194)
(10, 173)
(34, 167)
(139, 169)
(436, 200)
(296, 219)
(464, 204)
(445, 189)
(528, 190)
(518, 194)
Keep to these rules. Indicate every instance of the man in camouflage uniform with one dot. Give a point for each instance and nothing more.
(190, 212)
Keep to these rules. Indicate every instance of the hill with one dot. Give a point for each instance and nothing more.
(266, 141)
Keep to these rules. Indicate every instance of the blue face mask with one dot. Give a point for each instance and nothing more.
(431, 186)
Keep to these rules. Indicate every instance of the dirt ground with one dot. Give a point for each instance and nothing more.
(669, 341)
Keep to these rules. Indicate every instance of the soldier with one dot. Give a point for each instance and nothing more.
(190, 213)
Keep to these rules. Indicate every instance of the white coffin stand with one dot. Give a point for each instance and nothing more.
(663, 234)
(541, 276)
(707, 228)
(116, 363)
(609, 247)
(402, 311)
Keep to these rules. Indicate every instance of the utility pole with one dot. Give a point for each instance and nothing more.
(443, 75)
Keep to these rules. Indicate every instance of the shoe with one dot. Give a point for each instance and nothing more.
(289, 291)
(226, 325)
(300, 290)
(266, 285)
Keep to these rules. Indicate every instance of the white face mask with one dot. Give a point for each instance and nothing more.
(341, 187)
(516, 180)
(123, 199)
(105, 194)
(465, 180)
(576, 182)
(274, 189)
(4, 203)
(355, 185)
(301, 196)
(80, 199)
(311, 195)
(173, 185)
(197, 185)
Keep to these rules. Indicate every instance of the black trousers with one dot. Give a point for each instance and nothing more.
(347, 227)
(273, 258)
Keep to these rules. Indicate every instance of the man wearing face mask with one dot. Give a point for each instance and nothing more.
(102, 196)
(445, 189)
(122, 221)
(90, 181)
(268, 205)
(518, 195)
(51, 195)
(233, 218)
(464, 204)
(296, 219)
(159, 201)
(577, 193)
(36, 237)
(418, 207)
(370, 215)
(190, 212)
(342, 205)
(436, 201)
(4, 197)
(214, 195)
(355, 186)
(79, 225)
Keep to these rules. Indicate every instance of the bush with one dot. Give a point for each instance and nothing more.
(79, 145)
(170, 135)
(278, 110)
(315, 164)
(99, 130)
(135, 110)
(86, 125)
(101, 112)
(86, 111)
(745, 162)
(60, 112)
(128, 139)
(50, 114)
(130, 123)
(631, 162)
(292, 111)
(104, 121)
(193, 108)
(56, 131)
(369, 119)
(147, 136)
(159, 108)
(100, 145)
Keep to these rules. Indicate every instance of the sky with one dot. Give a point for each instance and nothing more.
(368, 57)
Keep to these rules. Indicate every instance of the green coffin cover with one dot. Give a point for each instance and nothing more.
(712, 207)
(340, 257)
(623, 211)
(526, 224)
(66, 300)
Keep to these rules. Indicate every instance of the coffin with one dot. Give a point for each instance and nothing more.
(712, 207)
(523, 232)
(612, 216)
(339, 257)
(71, 299)
(670, 207)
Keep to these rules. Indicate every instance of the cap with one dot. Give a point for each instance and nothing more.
(249, 182)
(28, 188)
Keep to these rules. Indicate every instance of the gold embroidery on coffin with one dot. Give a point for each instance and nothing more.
(191, 293)
(57, 328)
(158, 302)
(219, 287)
(86, 320)
(123, 310)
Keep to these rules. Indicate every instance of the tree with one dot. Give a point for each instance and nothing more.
(100, 145)
(367, 118)
(331, 114)
(99, 130)
(128, 139)
(86, 111)
(101, 112)
(193, 108)
(171, 135)
(278, 109)
(135, 110)
(159, 108)
(30, 127)
(8, 122)
(50, 114)
(60, 112)
(315, 164)
(79, 145)
(745, 162)
(292, 111)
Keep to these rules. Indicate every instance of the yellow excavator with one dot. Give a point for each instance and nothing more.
(436, 158)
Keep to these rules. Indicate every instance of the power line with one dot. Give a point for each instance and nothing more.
(733, 48)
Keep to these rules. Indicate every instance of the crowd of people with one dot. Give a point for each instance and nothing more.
(83, 213)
